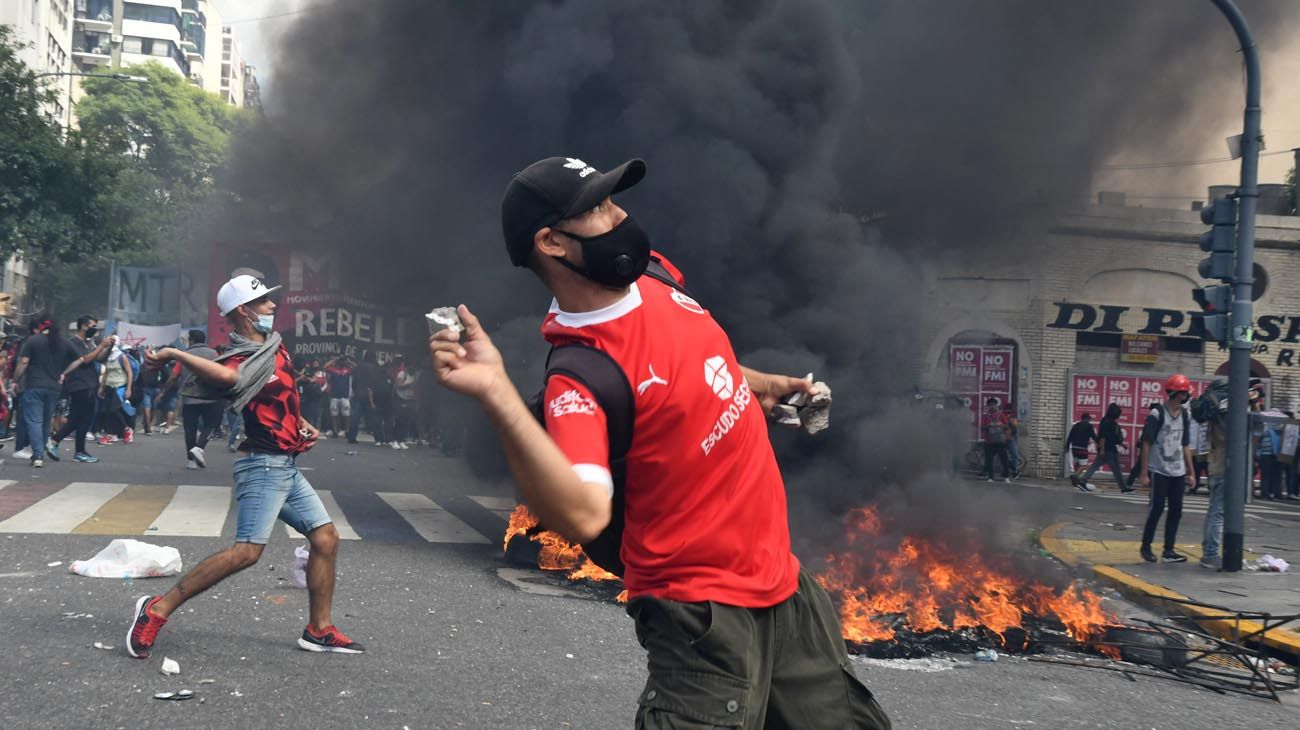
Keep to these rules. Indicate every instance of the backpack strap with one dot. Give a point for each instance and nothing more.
(657, 271)
(609, 385)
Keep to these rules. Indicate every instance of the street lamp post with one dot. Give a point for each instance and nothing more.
(1241, 334)
(116, 76)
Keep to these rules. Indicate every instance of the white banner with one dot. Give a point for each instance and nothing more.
(141, 335)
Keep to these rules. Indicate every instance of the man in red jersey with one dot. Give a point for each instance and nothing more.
(737, 633)
(256, 375)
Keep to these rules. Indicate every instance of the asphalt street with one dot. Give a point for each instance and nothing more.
(452, 643)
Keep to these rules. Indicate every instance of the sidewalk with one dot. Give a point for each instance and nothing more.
(1104, 534)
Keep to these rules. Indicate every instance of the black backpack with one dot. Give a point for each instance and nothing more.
(605, 379)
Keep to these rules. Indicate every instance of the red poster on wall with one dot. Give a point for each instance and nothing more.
(1133, 393)
(979, 372)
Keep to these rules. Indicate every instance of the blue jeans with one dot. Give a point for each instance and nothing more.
(38, 409)
(1013, 455)
(1213, 519)
(234, 421)
(269, 486)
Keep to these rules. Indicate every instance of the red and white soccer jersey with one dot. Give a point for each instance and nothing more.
(706, 510)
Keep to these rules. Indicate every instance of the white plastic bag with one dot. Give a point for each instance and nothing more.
(1272, 564)
(300, 554)
(130, 559)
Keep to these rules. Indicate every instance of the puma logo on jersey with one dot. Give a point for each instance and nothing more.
(644, 385)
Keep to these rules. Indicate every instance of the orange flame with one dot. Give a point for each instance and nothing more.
(557, 553)
(925, 585)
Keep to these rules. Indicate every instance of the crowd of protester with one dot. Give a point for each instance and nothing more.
(91, 387)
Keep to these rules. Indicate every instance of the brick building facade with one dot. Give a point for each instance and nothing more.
(1101, 277)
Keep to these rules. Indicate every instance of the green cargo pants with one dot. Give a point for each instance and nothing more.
(718, 666)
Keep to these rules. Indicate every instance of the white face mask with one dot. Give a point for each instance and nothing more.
(264, 323)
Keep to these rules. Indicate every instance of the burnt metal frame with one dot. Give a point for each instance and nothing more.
(1198, 669)
(1258, 680)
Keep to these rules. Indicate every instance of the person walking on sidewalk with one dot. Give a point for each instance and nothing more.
(705, 544)
(1109, 437)
(1216, 439)
(256, 376)
(1013, 439)
(1200, 454)
(1267, 437)
(80, 381)
(1081, 434)
(200, 415)
(995, 440)
(1167, 465)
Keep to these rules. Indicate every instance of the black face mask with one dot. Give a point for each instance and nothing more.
(91, 332)
(614, 259)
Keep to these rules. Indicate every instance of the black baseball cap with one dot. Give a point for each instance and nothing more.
(550, 190)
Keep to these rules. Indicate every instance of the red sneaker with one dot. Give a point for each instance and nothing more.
(128, 436)
(328, 639)
(144, 627)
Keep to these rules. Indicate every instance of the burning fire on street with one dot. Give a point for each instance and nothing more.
(554, 552)
(912, 598)
(906, 596)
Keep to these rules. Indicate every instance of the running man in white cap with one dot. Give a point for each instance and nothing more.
(256, 376)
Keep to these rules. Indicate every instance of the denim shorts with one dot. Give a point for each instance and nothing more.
(269, 486)
(150, 396)
(167, 402)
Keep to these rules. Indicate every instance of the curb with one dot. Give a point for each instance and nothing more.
(1155, 596)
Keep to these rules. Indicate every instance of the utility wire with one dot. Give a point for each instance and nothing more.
(285, 14)
(1188, 163)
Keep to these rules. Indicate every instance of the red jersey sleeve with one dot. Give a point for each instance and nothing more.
(577, 424)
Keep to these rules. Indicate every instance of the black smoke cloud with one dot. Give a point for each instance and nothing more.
(807, 161)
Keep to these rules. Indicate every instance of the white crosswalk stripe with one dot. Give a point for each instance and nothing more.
(189, 510)
(332, 509)
(196, 511)
(500, 506)
(64, 510)
(434, 523)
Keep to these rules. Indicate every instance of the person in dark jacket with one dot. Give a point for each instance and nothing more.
(1081, 434)
(1109, 437)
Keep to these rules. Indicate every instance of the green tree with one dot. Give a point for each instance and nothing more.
(50, 203)
(176, 138)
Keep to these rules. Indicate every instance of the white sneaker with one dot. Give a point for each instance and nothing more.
(191, 465)
(395, 446)
(37, 463)
(196, 453)
(404, 445)
(23, 453)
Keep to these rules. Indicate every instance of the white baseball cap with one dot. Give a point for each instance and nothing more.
(241, 289)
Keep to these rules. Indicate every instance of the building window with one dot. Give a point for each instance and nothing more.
(132, 44)
(152, 14)
(101, 10)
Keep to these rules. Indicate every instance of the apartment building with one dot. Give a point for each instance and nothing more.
(186, 36)
(45, 27)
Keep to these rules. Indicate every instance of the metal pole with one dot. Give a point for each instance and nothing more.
(1242, 322)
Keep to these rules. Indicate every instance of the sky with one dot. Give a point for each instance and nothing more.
(257, 35)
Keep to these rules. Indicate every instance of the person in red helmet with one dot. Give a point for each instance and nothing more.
(1167, 465)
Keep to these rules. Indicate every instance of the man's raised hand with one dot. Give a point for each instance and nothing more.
(472, 366)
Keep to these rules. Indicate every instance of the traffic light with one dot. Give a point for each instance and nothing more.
(1221, 240)
(1216, 302)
